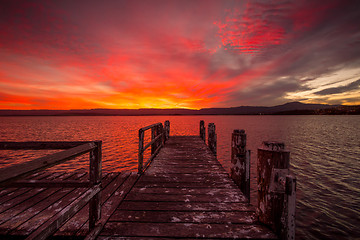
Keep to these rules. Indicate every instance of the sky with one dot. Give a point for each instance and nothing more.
(178, 53)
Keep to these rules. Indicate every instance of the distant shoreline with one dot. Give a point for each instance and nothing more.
(294, 108)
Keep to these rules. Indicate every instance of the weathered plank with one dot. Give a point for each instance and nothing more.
(110, 199)
(48, 228)
(33, 205)
(38, 145)
(184, 216)
(75, 223)
(111, 204)
(187, 230)
(11, 193)
(57, 202)
(18, 204)
(184, 206)
(185, 197)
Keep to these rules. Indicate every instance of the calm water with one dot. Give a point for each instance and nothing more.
(325, 154)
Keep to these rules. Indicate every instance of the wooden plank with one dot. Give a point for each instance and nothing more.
(185, 217)
(28, 197)
(34, 206)
(187, 230)
(56, 221)
(75, 223)
(38, 145)
(110, 206)
(49, 184)
(194, 185)
(113, 195)
(187, 190)
(13, 172)
(57, 202)
(184, 206)
(186, 198)
(209, 178)
(11, 193)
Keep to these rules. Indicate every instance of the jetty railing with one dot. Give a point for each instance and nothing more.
(159, 135)
(12, 177)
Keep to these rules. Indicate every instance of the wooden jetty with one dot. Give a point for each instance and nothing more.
(182, 191)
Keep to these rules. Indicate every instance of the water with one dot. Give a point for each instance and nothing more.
(324, 150)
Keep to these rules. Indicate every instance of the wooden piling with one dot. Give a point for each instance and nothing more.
(240, 160)
(212, 141)
(202, 130)
(276, 189)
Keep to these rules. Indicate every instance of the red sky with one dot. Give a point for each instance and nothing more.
(173, 54)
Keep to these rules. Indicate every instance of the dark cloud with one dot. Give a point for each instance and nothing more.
(342, 89)
(268, 94)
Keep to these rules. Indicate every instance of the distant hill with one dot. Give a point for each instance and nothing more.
(292, 108)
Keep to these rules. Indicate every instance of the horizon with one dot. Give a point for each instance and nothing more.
(162, 54)
(253, 106)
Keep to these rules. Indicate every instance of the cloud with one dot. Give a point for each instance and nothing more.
(175, 53)
(335, 90)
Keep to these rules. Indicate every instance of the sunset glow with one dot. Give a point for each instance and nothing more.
(178, 54)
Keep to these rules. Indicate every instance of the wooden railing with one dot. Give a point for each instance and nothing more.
(13, 176)
(159, 135)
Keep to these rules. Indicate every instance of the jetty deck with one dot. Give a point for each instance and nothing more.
(185, 193)
(181, 192)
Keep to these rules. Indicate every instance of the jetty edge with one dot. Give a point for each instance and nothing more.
(181, 191)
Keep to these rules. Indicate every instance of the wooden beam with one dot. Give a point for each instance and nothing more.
(20, 170)
(152, 142)
(47, 184)
(148, 127)
(37, 145)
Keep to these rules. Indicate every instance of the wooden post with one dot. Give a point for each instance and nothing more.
(167, 129)
(140, 153)
(212, 137)
(153, 135)
(95, 178)
(202, 130)
(240, 160)
(276, 189)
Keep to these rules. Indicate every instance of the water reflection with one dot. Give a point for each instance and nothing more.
(324, 150)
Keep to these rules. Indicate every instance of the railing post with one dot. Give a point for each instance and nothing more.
(276, 189)
(153, 135)
(240, 160)
(95, 178)
(140, 153)
(167, 129)
(202, 130)
(212, 137)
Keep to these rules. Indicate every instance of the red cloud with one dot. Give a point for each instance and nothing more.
(263, 25)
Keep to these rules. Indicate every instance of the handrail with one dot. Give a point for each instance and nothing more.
(10, 176)
(159, 135)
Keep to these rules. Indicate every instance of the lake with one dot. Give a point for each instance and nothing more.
(325, 156)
